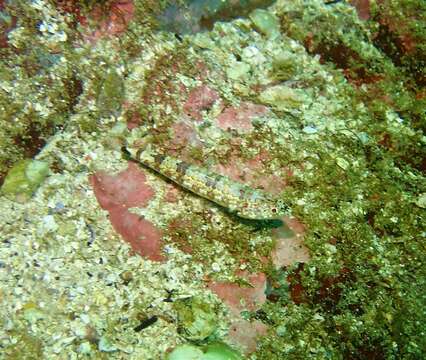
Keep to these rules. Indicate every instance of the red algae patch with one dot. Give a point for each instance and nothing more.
(363, 8)
(245, 333)
(116, 194)
(121, 12)
(240, 298)
(199, 99)
(172, 194)
(126, 189)
(239, 118)
(184, 135)
(142, 235)
(289, 247)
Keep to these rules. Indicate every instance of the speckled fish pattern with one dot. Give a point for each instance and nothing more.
(238, 198)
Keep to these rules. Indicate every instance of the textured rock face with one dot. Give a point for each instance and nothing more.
(95, 257)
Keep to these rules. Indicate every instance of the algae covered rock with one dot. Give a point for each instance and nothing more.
(282, 97)
(197, 319)
(214, 351)
(421, 201)
(24, 178)
(111, 93)
(238, 70)
(265, 22)
(284, 66)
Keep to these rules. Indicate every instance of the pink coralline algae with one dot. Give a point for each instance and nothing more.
(118, 193)
(121, 12)
(289, 247)
(252, 172)
(238, 299)
(199, 99)
(233, 294)
(184, 135)
(142, 235)
(245, 333)
(126, 189)
(239, 118)
(172, 194)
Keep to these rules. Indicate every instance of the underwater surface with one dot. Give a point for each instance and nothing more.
(212, 179)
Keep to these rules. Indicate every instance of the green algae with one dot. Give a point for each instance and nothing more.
(238, 71)
(220, 351)
(197, 319)
(26, 347)
(421, 201)
(186, 352)
(265, 22)
(284, 66)
(111, 92)
(213, 351)
(24, 178)
(282, 97)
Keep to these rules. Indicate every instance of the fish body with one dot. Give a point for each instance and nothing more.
(240, 199)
